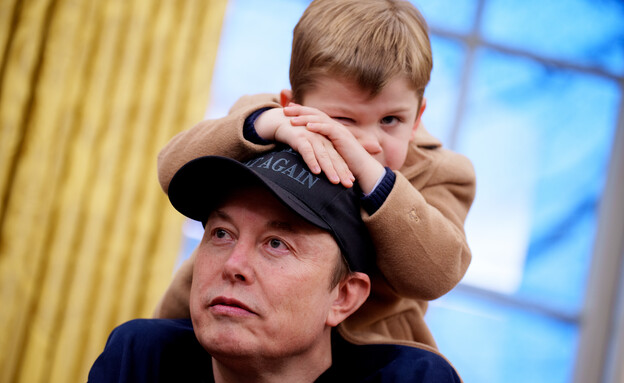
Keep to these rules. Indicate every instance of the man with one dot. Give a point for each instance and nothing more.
(282, 262)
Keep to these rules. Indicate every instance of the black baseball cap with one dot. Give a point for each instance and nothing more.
(201, 184)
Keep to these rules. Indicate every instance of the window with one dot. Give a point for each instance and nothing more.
(535, 89)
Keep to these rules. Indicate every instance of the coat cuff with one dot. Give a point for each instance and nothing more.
(373, 201)
(249, 129)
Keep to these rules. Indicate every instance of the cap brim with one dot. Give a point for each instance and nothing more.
(202, 183)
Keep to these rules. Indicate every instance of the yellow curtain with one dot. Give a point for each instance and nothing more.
(90, 90)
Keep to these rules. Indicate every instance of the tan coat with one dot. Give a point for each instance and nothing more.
(418, 232)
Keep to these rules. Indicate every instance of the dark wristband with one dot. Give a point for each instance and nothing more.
(249, 129)
(372, 202)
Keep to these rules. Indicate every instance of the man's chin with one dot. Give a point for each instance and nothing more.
(226, 342)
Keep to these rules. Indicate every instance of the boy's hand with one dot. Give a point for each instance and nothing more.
(366, 169)
(316, 150)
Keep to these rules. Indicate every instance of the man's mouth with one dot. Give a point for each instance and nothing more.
(229, 306)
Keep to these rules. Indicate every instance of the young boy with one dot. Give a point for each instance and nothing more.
(358, 73)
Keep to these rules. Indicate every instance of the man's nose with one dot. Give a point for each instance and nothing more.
(238, 266)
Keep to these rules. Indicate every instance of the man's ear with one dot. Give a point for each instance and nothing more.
(285, 97)
(352, 292)
(418, 121)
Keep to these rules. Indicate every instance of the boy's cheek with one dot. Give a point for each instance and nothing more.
(418, 125)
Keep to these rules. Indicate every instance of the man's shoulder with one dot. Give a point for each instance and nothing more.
(153, 328)
(388, 363)
(147, 350)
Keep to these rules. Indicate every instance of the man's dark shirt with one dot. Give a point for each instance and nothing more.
(166, 350)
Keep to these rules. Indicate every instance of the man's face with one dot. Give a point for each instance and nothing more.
(261, 279)
(384, 125)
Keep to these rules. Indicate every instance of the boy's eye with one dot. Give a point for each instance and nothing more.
(389, 120)
(344, 120)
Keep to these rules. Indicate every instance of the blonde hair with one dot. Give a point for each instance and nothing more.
(366, 41)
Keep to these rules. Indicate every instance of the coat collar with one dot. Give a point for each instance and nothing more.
(425, 140)
(419, 153)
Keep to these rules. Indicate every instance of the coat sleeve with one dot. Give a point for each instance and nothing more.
(220, 137)
(418, 231)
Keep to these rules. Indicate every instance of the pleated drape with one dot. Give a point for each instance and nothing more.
(90, 90)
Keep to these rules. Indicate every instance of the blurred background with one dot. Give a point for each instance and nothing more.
(530, 91)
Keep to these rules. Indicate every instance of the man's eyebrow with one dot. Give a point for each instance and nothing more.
(219, 214)
(282, 225)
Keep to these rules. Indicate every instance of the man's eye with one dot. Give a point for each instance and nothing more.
(220, 233)
(276, 243)
(279, 246)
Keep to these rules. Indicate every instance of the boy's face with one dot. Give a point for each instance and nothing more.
(384, 125)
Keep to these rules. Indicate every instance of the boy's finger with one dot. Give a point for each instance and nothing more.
(291, 110)
(307, 153)
(341, 168)
(324, 160)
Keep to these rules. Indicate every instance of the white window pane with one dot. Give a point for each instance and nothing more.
(540, 140)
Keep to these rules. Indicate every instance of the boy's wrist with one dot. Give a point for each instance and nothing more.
(370, 177)
(372, 201)
(249, 128)
(386, 170)
(267, 122)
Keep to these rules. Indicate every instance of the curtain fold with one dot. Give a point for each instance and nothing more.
(89, 92)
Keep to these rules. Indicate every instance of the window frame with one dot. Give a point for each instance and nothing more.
(601, 321)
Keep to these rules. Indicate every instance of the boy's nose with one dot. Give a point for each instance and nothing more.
(370, 143)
